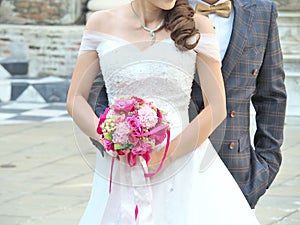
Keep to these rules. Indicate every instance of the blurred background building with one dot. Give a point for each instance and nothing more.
(39, 41)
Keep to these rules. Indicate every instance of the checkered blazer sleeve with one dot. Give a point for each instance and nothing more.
(98, 101)
(269, 102)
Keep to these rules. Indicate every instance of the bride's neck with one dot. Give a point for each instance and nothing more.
(148, 13)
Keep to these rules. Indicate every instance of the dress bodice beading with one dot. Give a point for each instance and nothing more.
(160, 73)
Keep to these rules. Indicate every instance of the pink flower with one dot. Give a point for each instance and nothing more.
(138, 133)
(158, 134)
(108, 144)
(120, 135)
(147, 117)
(141, 148)
(123, 105)
(136, 130)
(122, 152)
(138, 100)
(120, 118)
(102, 118)
(133, 122)
(159, 115)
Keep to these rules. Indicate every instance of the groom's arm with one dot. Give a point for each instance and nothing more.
(98, 101)
(269, 102)
(196, 103)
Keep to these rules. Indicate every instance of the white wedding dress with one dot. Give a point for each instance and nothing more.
(195, 189)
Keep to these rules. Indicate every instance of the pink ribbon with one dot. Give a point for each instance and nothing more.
(154, 130)
(131, 158)
(132, 162)
(111, 171)
(136, 212)
(163, 158)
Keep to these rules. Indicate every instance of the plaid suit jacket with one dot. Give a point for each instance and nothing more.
(253, 71)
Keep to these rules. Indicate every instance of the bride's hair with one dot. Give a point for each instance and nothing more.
(180, 21)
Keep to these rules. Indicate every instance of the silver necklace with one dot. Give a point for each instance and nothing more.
(151, 31)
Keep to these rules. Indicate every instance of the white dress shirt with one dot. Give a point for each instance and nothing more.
(223, 26)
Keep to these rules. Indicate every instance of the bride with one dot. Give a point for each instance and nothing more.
(151, 49)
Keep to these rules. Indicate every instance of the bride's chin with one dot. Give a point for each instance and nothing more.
(167, 4)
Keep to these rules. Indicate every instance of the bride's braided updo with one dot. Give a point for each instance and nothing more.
(180, 22)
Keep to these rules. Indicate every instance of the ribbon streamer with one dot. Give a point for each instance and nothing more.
(163, 158)
(136, 212)
(132, 161)
(111, 171)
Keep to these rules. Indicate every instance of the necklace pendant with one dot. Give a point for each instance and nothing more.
(153, 36)
(152, 33)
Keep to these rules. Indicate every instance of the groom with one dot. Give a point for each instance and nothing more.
(252, 70)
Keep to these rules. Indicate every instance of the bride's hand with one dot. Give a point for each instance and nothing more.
(155, 160)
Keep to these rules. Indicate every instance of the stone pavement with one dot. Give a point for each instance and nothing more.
(46, 181)
(24, 112)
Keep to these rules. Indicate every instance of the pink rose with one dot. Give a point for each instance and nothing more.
(137, 133)
(141, 148)
(133, 122)
(123, 105)
(102, 118)
(136, 130)
(109, 146)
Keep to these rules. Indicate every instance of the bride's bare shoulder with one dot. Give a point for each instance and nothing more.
(104, 20)
(203, 24)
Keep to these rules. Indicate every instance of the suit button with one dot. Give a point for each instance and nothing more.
(232, 114)
(231, 146)
(255, 72)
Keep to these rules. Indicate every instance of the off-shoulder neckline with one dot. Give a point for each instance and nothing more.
(111, 36)
(114, 37)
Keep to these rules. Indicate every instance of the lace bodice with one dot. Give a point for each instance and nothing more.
(158, 72)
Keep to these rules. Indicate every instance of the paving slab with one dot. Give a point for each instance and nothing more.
(45, 177)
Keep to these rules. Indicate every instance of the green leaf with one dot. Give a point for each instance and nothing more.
(108, 136)
(118, 146)
(122, 147)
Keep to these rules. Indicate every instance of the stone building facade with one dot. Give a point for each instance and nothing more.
(44, 33)
(41, 11)
(289, 31)
(47, 33)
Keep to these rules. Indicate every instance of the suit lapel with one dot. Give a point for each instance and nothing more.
(242, 22)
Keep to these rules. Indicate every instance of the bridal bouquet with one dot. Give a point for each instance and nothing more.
(133, 127)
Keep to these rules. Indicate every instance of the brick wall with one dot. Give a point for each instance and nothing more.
(40, 11)
(44, 46)
(51, 50)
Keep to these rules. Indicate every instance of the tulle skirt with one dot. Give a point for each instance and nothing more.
(195, 189)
